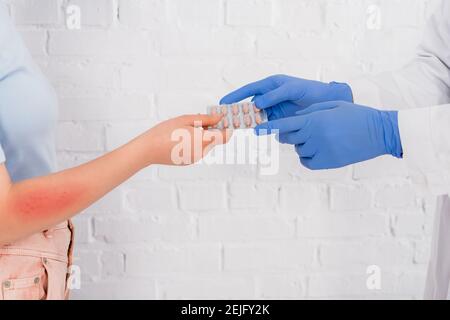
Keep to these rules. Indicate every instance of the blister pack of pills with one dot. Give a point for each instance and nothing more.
(238, 115)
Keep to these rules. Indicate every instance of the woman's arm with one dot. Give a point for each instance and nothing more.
(36, 204)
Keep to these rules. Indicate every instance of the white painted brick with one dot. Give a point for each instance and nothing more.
(83, 227)
(203, 13)
(68, 159)
(114, 107)
(88, 262)
(158, 198)
(411, 283)
(113, 263)
(115, 230)
(145, 175)
(329, 175)
(144, 76)
(290, 167)
(303, 199)
(110, 203)
(239, 72)
(224, 228)
(332, 285)
(179, 258)
(98, 43)
(299, 16)
(247, 195)
(204, 172)
(280, 287)
(276, 45)
(80, 136)
(87, 75)
(340, 70)
(337, 48)
(383, 167)
(201, 287)
(404, 285)
(429, 225)
(255, 257)
(206, 43)
(350, 198)
(95, 12)
(395, 196)
(202, 197)
(307, 69)
(142, 14)
(437, 183)
(120, 133)
(422, 251)
(249, 12)
(382, 253)
(339, 18)
(171, 104)
(409, 225)
(36, 11)
(126, 288)
(335, 225)
(197, 74)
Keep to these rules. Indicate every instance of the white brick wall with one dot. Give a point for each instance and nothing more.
(190, 232)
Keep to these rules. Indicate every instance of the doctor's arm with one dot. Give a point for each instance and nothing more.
(421, 91)
(419, 132)
(423, 82)
(37, 204)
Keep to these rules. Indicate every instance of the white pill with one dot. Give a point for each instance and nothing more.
(224, 110)
(245, 108)
(236, 122)
(235, 109)
(225, 123)
(258, 118)
(248, 121)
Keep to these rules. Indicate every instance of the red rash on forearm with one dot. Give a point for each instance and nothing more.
(43, 203)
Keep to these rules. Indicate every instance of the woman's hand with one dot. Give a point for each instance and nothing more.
(184, 140)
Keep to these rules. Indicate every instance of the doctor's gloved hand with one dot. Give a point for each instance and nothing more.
(282, 96)
(335, 134)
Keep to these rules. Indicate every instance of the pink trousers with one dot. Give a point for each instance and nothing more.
(36, 268)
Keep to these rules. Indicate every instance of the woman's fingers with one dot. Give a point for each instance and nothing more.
(216, 137)
(213, 138)
(200, 120)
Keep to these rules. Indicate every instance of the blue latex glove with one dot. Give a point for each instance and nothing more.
(282, 96)
(335, 134)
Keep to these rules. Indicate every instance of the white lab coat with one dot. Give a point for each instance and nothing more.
(421, 91)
